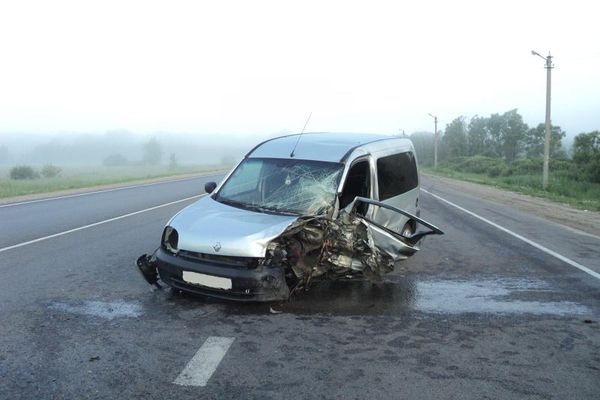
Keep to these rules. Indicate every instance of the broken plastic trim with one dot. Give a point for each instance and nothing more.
(147, 267)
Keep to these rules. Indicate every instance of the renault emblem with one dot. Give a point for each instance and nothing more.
(217, 247)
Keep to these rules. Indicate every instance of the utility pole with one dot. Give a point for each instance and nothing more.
(435, 141)
(548, 67)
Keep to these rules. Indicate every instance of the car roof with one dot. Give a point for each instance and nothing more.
(321, 146)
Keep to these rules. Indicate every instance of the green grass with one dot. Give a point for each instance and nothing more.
(583, 195)
(76, 177)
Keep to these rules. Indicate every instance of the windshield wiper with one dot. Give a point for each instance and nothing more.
(254, 207)
(275, 210)
(234, 203)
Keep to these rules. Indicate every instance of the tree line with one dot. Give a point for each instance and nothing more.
(508, 138)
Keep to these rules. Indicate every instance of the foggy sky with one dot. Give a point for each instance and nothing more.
(260, 67)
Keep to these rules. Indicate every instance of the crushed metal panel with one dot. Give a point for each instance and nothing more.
(385, 242)
(343, 247)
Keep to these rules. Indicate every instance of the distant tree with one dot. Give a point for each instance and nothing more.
(23, 172)
(455, 138)
(478, 136)
(50, 171)
(513, 135)
(173, 161)
(152, 152)
(586, 153)
(44, 152)
(423, 142)
(534, 142)
(586, 147)
(496, 125)
(115, 160)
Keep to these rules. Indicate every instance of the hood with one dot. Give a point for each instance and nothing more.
(208, 225)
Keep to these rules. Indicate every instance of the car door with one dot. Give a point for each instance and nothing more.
(386, 240)
(397, 186)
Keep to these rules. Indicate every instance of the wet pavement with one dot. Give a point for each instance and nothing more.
(101, 309)
(475, 314)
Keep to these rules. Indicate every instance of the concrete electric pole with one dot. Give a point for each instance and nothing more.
(548, 67)
(435, 140)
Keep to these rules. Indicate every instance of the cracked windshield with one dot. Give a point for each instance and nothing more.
(283, 186)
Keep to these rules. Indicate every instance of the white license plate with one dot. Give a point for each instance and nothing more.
(210, 281)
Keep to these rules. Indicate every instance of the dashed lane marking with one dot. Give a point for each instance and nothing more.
(205, 362)
(523, 238)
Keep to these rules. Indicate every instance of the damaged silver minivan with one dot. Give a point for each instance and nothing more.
(296, 209)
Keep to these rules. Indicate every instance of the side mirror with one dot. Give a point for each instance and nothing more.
(209, 187)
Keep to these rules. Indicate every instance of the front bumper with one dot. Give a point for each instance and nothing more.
(259, 284)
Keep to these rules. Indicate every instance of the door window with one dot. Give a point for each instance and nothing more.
(358, 183)
(396, 174)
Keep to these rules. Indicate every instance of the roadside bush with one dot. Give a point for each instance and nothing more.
(586, 154)
(497, 170)
(50, 171)
(567, 169)
(507, 171)
(561, 165)
(526, 167)
(561, 169)
(23, 172)
(115, 160)
(476, 164)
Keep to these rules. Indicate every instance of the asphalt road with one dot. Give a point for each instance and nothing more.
(478, 313)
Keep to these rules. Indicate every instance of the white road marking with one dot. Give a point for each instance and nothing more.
(101, 191)
(97, 223)
(205, 362)
(524, 239)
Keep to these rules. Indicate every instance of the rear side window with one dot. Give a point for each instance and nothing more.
(396, 174)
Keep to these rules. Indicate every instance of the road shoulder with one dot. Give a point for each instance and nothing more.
(579, 220)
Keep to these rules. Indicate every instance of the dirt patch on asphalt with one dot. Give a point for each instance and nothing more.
(580, 220)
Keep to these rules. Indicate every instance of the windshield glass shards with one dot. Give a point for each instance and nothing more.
(282, 186)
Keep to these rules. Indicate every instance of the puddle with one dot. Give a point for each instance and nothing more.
(101, 309)
(491, 296)
(402, 295)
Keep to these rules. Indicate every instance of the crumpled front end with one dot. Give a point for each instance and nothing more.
(340, 248)
(321, 247)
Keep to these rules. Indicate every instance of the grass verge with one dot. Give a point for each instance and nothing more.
(87, 177)
(582, 195)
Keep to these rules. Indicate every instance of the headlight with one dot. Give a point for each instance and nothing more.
(170, 240)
